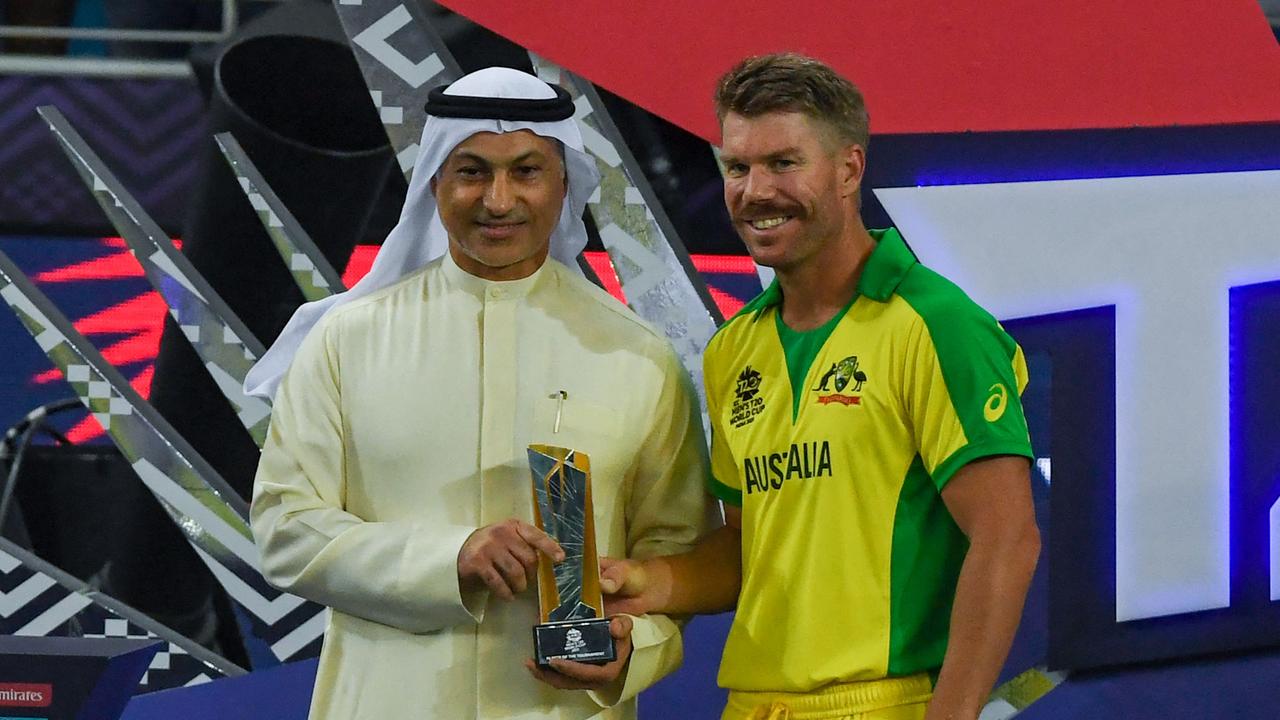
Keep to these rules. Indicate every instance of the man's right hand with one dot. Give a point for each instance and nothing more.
(503, 556)
(635, 587)
(706, 579)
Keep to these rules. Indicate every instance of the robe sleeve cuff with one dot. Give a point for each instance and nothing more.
(439, 547)
(656, 650)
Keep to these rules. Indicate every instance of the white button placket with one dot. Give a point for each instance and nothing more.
(497, 424)
(497, 433)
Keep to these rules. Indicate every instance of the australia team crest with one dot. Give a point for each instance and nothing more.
(842, 383)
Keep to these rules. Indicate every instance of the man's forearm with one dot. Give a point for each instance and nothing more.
(704, 580)
(394, 573)
(988, 605)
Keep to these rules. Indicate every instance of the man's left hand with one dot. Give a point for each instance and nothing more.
(568, 675)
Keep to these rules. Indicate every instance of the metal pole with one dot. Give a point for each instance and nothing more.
(38, 31)
(92, 67)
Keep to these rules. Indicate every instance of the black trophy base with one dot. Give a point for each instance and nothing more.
(584, 641)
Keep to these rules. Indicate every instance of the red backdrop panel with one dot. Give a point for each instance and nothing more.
(927, 66)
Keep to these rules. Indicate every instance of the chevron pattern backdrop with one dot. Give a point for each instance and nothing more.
(34, 604)
(147, 130)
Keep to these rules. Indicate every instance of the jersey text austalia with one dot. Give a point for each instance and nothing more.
(803, 461)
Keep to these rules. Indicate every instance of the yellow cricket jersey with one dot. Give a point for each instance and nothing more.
(836, 443)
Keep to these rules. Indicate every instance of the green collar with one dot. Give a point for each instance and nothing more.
(884, 271)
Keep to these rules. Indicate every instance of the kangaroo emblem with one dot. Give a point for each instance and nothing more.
(842, 372)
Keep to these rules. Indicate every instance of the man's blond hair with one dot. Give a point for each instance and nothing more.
(790, 82)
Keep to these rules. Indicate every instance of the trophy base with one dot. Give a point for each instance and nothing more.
(584, 641)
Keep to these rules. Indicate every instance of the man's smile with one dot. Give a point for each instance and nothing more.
(768, 223)
(499, 230)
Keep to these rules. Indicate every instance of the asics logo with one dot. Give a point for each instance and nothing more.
(993, 410)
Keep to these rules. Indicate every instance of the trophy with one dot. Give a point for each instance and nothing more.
(571, 625)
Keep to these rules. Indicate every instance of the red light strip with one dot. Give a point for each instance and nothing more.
(731, 264)
(603, 267)
(141, 317)
(359, 263)
(362, 260)
(728, 304)
(112, 267)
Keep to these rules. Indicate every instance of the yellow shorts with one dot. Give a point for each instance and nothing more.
(902, 698)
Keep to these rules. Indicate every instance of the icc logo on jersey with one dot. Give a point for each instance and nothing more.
(747, 403)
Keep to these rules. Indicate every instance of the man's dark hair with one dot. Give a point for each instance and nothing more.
(790, 82)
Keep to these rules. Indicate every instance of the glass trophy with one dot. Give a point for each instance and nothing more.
(572, 625)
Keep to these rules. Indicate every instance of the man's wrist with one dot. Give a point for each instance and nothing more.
(942, 708)
(661, 573)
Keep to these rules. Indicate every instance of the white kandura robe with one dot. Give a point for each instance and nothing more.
(402, 426)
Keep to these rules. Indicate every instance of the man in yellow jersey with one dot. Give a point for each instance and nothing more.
(868, 441)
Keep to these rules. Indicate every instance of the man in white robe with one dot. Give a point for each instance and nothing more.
(394, 487)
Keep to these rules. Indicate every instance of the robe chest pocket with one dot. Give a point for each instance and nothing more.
(577, 417)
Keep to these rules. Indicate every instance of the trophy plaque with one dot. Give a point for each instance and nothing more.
(572, 625)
